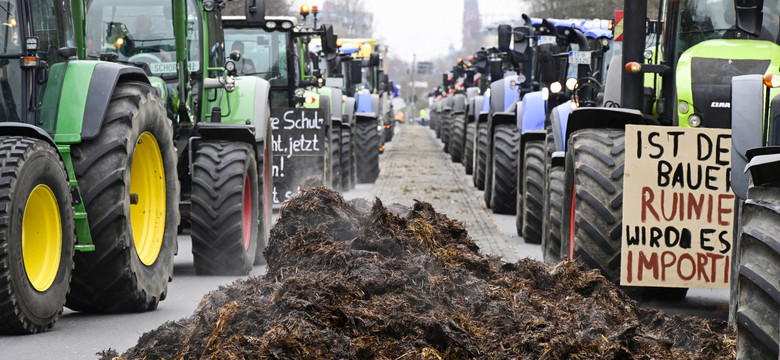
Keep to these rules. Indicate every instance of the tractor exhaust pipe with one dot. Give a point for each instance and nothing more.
(634, 22)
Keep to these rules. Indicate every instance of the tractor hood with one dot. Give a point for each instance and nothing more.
(704, 75)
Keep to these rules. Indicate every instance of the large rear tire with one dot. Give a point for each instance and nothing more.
(127, 176)
(446, 128)
(533, 190)
(37, 235)
(758, 289)
(468, 148)
(346, 167)
(335, 156)
(225, 208)
(457, 137)
(265, 222)
(552, 209)
(367, 151)
(593, 199)
(481, 161)
(504, 180)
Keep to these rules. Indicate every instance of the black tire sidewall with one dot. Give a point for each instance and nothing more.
(41, 167)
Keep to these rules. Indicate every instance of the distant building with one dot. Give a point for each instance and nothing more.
(472, 26)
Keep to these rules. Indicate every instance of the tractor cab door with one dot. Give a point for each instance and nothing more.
(52, 25)
(12, 94)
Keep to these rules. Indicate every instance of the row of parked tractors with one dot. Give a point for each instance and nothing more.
(125, 122)
(540, 122)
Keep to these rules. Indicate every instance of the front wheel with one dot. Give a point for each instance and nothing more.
(532, 204)
(593, 199)
(225, 208)
(37, 235)
(468, 148)
(503, 184)
(127, 176)
(758, 292)
(457, 137)
(367, 150)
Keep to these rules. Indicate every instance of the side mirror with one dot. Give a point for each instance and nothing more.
(504, 37)
(521, 36)
(496, 71)
(255, 12)
(374, 59)
(749, 16)
(329, 41)
(355, 72)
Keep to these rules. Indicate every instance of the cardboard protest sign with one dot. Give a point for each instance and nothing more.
(678, 207)
(299, 140)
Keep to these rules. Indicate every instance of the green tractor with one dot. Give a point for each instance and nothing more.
(705, 44)
(755, 293)
(89, 175)
(277, 49)
(221, 125)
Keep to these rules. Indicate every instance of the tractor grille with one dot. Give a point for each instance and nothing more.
(711, 86)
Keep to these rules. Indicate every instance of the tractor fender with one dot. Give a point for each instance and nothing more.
(459, 104)
(364, 102)
(375, 104)
(748, 92)
(249, 105)
(559, 119)
(348, 111)
(602, 118)
(336, 110)
(531, 113)
(26, 130)
(101, 88)
(762, 165)
(474, 108)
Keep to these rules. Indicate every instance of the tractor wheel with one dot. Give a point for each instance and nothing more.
(346, 167)
(552, 208)
(445, 132)
(225, 208)
(593, 199)
(366, 153)
(532, 191)
(468, 148)
(758, 289)
(457, 137)
(127, 176)
(335, 157)
(481, 152)
(266, 185)
(553, 216)
(37, 235)
(504, 179)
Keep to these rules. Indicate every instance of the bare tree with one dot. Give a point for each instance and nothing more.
(272, 7)
(348, 17)
(584, 9)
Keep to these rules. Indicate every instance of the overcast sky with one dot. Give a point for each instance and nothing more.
(427, 27)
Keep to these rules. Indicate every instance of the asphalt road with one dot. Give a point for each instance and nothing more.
(81, 336)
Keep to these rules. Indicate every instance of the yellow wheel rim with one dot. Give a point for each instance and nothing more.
(41, 238)
(147, 198)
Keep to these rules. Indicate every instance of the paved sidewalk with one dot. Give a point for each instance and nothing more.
(415, 167)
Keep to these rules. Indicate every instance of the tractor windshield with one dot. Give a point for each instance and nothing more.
(9, 34)
(702, 20)
(139, 31)
(262, 53)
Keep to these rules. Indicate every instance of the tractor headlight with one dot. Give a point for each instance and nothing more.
(694, 120)
(683, 107)
(545, 94)
(556, 87)
(230, 66)
(270, 25)
(571, 83)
